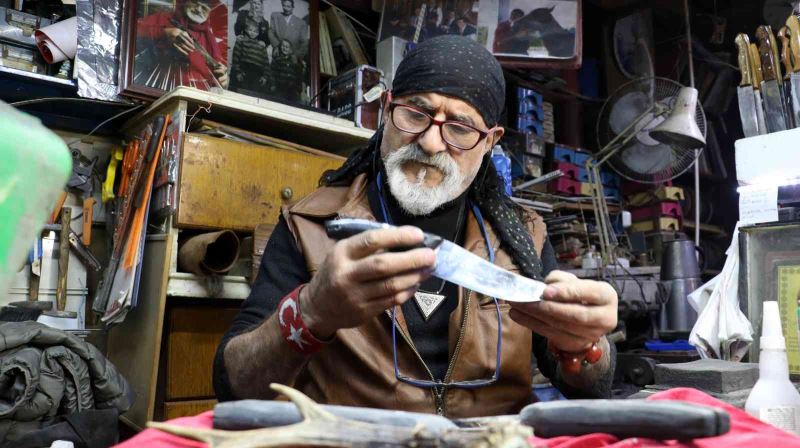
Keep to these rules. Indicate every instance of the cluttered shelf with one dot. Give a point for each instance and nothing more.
(295, 124)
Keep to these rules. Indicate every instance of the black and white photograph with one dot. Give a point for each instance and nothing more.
(184, 43)
(270, 49)
(428, 19)
(535, 29)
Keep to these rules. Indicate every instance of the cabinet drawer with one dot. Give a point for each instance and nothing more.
(235, 185)
(187, 408)
(194, 334)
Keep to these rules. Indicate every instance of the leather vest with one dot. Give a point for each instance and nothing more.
(357, 369)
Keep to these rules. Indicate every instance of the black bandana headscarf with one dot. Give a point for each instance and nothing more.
(458, 67)
(454, 66)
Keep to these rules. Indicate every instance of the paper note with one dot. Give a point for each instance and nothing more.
(758, 204)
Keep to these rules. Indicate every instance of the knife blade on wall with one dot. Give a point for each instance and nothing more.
(793, 23)
(755, 74)
(747, 100)
(788, 68)
(771, 94)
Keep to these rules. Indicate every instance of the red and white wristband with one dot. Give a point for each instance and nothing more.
(293, 329)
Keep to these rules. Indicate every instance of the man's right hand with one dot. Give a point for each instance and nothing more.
(360, 279)
(180, 40)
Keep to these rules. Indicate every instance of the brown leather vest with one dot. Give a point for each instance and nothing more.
(356, 369)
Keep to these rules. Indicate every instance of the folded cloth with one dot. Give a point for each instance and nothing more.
(46, 373)
(746, 431)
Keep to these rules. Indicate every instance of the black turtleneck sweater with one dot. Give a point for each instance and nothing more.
(283, 268)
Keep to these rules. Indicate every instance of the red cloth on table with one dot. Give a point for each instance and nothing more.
(746, 431)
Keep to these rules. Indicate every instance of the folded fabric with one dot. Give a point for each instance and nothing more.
(46, 373)
(746, 431)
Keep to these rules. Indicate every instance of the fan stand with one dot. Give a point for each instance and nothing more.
(608, 238)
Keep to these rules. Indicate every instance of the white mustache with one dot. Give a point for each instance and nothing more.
(413, 152)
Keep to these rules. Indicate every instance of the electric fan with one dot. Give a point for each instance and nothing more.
(650, 130)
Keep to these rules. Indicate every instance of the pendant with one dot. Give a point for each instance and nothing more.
(428, 302)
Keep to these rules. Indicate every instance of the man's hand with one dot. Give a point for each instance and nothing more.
(221, 73)
(359, 279)
(180, 40)
(572, 314)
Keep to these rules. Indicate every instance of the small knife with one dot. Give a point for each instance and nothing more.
(793, 23)
(747, 100)
(660, 420)
(456, 264)
(786, 59)
(755, 73)
(770, 88)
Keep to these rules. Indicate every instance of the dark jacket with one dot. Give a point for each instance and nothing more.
(46, 373)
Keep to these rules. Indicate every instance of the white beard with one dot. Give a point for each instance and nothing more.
(415, 197)
(196, 18)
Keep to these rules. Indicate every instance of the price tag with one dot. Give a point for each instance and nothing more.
(758, 204)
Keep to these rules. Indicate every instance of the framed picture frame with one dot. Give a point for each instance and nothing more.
(520, 33)
(262, 48)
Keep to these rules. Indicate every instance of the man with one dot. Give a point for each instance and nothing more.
(505, 34)
(252, 11)
(463, 28)
(448, 22)
(285, 25)
(187, 50)
(332, 336)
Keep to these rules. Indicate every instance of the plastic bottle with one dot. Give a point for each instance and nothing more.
(774, 399)
(502, 163)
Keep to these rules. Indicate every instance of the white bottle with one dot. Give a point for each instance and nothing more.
(774, 399)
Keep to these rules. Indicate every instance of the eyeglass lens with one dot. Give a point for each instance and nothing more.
(413, 121)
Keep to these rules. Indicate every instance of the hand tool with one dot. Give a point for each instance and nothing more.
(63, 258)
(786, 59)
(660, 420)
(755, 73)
(793, 22)
(747, 100)
(252, 414)
(111, 174)
(77, 246)
(81, 179)
(770, 88)
(456, 264)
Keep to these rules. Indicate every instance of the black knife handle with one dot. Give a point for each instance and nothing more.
(346, 227)
(660, 420)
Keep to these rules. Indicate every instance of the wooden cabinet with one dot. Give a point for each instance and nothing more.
(166, 345)
(234, 185)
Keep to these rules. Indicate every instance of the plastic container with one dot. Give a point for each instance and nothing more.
(34, 167)
(774, 399)
(502, 163)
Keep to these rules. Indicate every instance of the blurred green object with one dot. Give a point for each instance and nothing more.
(35, 164)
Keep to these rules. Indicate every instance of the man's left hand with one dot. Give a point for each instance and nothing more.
(221, 73)
(573, 313)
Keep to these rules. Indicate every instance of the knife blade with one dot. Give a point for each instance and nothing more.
(774, 114)
(786, 59)
(660, 420)
(755, 73)
(793, 22)
(456, 264)
(747, 100)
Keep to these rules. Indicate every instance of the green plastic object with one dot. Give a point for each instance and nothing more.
(35, 164)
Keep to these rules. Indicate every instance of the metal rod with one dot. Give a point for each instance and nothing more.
(541, 179)
(696, 151)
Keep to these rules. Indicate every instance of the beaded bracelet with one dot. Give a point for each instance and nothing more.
(571, 362)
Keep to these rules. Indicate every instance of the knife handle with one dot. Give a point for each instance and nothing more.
(660, 420)
(346, 227)
(765, 52)
(793, 22)
(786, 51)
(776, 60)
(755, 67)
(743, 46)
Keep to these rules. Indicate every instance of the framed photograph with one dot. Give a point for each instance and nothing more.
(520, 33)
(262, 48)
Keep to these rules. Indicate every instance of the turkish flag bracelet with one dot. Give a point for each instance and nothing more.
(293, 329)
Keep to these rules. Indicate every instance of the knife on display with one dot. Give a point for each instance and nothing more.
(774, 114)
(456, 264)
(788, 68)
(755, 74)
(747, 100)
(793, 23)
